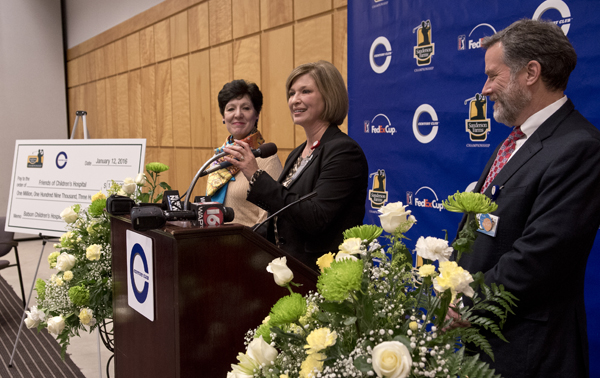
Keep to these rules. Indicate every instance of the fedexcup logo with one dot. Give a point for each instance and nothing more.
(477, 125)
(378, 195)
(430, 201)
(425, 49)
(417, 124)
(380, 68)
(561, 7)
(474, 42)
(380, 124)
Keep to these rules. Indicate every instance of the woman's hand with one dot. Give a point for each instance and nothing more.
(241, 156)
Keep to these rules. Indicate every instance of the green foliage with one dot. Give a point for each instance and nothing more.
(40, 288)
(97, 207)
(288, 310)
(79, 295)
(341, 278)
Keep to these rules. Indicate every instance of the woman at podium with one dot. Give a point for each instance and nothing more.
(330, 163)
(240, 103)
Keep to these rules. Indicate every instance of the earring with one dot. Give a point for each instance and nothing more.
(223, 122)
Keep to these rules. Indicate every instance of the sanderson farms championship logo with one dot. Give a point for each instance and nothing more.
(378, 195)
(424, 49)
(478, 126)
(36, 161)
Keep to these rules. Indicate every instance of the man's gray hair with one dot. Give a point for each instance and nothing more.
(526, 40)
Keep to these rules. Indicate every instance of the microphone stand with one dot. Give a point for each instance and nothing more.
(303, 198)
(198, 174)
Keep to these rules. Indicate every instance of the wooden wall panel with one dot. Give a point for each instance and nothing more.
(133, 51)
(198, 27)
(90, 106)
(123, 106)
(277, 61)
(246, 59)
(134, 88)
(164, 114)
(157, 75)
(220, 21)
(147, 46)
(307, 47)
(199, 156)
(162, 40)
(112, 126)
(179, 34)
(184, 164)
(246, 17)
(149, 105)
(101, 109)
(221, 72)
(110, 62)
(200, 99)
(100, 63)
(308, 8)
(275, 12)
(121, 55)
(181, 102)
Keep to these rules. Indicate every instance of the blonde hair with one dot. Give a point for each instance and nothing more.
(331, 85)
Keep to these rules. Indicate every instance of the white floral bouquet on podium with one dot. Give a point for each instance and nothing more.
(375, 315)
(78, 297)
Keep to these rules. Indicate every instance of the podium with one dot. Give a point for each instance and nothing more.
(210, 287)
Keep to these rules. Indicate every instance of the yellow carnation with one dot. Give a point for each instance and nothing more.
(325, 261)
(313, 364)
(86, 315)
(98, 196)
(93, 252)
(320, 339)
(68, 275)
(427, 270)
(413, 326)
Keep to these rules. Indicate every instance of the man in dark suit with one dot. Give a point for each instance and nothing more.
(546, 182)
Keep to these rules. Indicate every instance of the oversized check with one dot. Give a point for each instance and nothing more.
(50, 175)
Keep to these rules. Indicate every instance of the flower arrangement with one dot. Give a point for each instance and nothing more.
(375, 315)
(79, 295)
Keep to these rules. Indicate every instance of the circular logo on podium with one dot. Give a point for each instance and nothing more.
(140, 278)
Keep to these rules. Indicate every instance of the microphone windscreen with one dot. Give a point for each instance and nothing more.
(268, 149)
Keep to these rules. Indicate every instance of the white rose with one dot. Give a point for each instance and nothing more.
(93, 252)
(351, 246)
(391, 359)
(343, 255)
(281, 273)
(433, 248)
(140, 179)
(56, 325)
(34, 317)
(68, 215)
(393, 215)
(128, 186)
(65, 262)
(261, 352)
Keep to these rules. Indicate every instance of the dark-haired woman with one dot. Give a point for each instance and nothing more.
(240, 103)
(329, 163)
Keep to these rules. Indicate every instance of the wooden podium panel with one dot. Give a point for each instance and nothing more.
(210, 287)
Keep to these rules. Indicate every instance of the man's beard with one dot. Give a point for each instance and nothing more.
(510, 103)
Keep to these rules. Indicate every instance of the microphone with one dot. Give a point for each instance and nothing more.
(270, 148)
(206, 214)
(264, 151)
(303, 198)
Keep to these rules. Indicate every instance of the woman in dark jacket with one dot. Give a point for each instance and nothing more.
(329, 163)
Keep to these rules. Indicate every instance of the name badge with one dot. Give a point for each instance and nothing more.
(487, 223)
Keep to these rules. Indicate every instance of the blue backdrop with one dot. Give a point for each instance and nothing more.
(415, 74)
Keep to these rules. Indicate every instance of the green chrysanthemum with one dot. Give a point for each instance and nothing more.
(97, 207)
(367, 232)
(340, 279)
(265, 331)
(288, 310)
(156, 167)
(79, 295)
(40, 287)
(469, 202)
